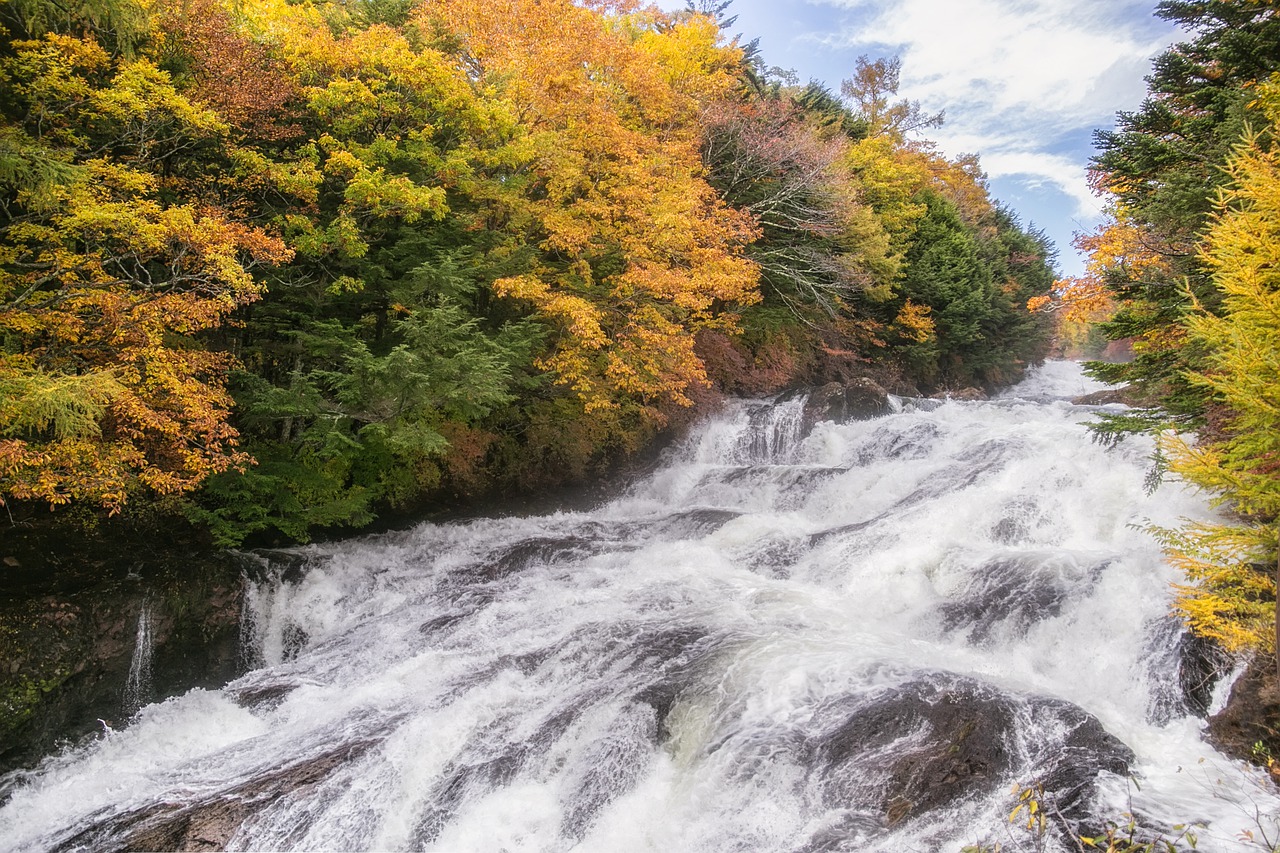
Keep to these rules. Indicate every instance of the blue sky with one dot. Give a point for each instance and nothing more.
(1024, 83)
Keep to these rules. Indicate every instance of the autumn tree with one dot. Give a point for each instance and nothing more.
(820, 245)
(289, 264)
(872, 90)
(111, 266)
(370, 350)
(481, 200)
(1232, 566)
(1163, 165)
(636, 249)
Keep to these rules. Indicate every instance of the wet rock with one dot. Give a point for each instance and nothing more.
(443, 623)
(271, 564)
(929, 745)
(904, 388)
(541, 551)
(1201, 665)
(209, 822)
(964, 395)
(857, 400)
(1127, 396)
(1183, 671)
(611, 767)
(1248, 726)
(68, 650)
(598, 539)
(919, 749)
(693, 522)
(461, 780)
(1013, 593)
(262, 697)
(915, 442)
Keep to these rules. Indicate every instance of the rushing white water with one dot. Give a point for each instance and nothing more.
(137, 688)
(856, 639)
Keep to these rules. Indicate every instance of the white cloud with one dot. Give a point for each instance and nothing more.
(1007, 72)
(1023, 82)
(1034, 53)
(1036, 169)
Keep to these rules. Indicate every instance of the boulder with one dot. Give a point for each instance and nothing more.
(935, 743)
(964, 395)
(1248, 726)
(209, 822)
(857, 400)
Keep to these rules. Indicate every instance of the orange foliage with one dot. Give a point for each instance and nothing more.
(637, 249)
(234, 75)
(101, 286)
(1116, 248)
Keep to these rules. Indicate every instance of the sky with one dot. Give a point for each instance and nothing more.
(1023, 83)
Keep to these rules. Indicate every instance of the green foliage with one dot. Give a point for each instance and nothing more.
(120, 25)
(63, 406)
(974, 288)
(362, 425)
(1164, 165)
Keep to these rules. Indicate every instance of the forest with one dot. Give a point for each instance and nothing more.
(282, 267)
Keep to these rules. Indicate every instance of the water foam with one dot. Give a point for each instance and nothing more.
(738, 654)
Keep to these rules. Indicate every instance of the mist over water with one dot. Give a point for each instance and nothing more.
(859, 638)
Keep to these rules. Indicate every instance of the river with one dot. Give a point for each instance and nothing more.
(861, 638)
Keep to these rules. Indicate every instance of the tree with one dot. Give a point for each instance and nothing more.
(1232, 595)
(636, 249)
(870, 91)
(819, 245)
(106, 280)
(372, 347)
(1163, 165)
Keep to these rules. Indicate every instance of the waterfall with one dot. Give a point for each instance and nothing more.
(852, 637)
(137, 686)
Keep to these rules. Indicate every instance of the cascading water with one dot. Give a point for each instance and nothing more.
(860, 639)
(137, 687)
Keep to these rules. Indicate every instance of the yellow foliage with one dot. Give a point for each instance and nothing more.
(103, 280)
(1229, 596)
(914, 323)
(638, 250)
(891, 177)
(1232, 565)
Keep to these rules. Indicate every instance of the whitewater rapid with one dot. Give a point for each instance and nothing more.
(855, 636)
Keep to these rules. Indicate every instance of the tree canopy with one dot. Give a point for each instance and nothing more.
(284, 265)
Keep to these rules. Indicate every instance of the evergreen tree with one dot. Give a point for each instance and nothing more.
(1163, 165)
(1237, 456)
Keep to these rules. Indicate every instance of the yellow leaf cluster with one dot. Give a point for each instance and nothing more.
(102, 283)
(914, 323)
(638, 250)
(1231, 566)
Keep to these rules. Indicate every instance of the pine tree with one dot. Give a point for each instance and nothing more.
(1237, 458)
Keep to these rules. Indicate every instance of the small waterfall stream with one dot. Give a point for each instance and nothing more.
(857, 639)
(137, 688)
